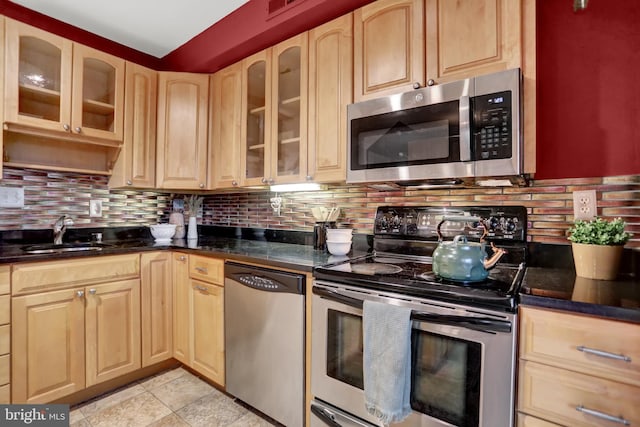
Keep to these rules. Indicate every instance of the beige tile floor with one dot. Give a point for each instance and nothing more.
(171, 398)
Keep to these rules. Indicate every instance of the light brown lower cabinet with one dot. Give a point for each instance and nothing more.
(199, 314)
(156, 307)
(5, 333)
(577, 370)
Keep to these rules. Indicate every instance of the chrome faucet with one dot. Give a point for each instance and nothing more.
(59, 227)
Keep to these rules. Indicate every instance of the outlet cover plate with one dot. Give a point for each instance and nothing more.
(584, 205)
(95, 208)
(11, 197)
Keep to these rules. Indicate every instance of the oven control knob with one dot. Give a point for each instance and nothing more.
(511, 225)
(493, 223)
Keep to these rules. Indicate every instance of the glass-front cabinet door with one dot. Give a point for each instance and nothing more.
(98, 93)
(289, 111)
(37, 78)
(256, 85)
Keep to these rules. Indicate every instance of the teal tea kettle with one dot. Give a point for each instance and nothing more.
(461, 260)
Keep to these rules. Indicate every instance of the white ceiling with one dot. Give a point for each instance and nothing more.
(156, 27)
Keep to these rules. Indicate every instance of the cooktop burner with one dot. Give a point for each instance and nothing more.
(401, 260)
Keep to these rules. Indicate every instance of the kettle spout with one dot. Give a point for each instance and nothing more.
(493, 260)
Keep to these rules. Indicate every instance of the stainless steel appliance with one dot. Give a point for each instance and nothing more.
(462, 129)
(264, 340)
(463, 334)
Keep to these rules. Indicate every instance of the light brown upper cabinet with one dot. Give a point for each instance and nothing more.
(61, 86)
(225, 127)
(330, 91)
(388, 38)
(136, 165)
(274, 114)
(182, 130)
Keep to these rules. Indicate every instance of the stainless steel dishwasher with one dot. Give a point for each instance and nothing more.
(264, 340)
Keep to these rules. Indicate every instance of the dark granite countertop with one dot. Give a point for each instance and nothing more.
(292, 254)
(560, 288)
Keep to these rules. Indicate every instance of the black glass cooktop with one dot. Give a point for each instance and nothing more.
(397, 274)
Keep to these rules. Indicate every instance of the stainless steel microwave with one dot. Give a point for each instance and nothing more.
(467, 128)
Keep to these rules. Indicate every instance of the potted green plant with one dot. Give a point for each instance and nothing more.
(597, 247)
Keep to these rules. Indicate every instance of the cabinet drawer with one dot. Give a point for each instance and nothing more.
(5, 276)
(567, 340)
(5, 309)
(206, 269)
(36, 277)
(5, 339)
(555, 394)
(5, 369)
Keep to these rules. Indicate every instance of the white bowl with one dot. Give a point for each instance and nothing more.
(339, 234)
(338, 248)
(163, 232)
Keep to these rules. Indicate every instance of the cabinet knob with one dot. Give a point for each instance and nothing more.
(92, 291)
(129, 182)
(79, 294)
(264, 180)
(271, 180)
(309, 178)
(431, 82)
(66, 127)
(183, 258)
(416, 85)
(78, 129)
(234, 183)
(201, 185)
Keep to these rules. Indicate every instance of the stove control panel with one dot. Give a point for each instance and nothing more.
(502, 222)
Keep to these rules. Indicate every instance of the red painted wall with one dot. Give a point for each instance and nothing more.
(588, 75)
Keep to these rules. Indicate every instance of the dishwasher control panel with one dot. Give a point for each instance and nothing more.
(257, 281)
(265, 279)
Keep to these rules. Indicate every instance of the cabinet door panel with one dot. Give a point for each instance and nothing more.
(330, 91)
(113, 330)
(157, 308)
(388, 47)
(181, 308)
(48, 342)
(182, 130)
(225, 131)
(208, 330)
(472, 37)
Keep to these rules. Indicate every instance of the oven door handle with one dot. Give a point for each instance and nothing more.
(324, 416)
(482, 324)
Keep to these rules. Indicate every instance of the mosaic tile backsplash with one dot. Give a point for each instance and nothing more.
(549, 203)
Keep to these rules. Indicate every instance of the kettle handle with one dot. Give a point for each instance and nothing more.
(461, 218)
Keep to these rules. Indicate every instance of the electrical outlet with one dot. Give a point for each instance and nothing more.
(584, 205)
(11, 197)
(95, 208)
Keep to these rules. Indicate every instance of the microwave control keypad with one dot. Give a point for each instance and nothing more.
(492, 126)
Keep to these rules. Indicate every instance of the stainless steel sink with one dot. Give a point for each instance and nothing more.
(51, 248)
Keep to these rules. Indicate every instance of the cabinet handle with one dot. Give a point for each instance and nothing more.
(416, 85)
(202, 270)
(183, 258)
(603, 353)
(79, 294)
(92, 291)
(431, 82)
(78, 129)
(603, 416)
(200, 288)
(66, 127)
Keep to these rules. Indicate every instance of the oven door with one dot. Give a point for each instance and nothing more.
(462, 361)
(423, 134)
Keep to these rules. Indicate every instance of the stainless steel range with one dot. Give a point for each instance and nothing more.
(463, 341)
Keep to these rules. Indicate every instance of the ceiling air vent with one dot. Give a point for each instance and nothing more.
(276, 6)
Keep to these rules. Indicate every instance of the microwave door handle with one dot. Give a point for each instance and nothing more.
(482, 324)
(334, 296)
(465, 129)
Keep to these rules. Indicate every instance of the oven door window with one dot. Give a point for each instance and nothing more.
(446, 378)
(344, 348)
(417, 136)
